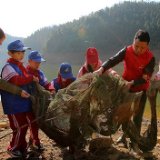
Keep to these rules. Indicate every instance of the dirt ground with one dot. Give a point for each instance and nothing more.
(55, 152)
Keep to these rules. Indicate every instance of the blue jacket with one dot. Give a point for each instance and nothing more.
(41, 82)
(13, 104)
(58, 86)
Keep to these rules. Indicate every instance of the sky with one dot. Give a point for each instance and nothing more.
(21, 18)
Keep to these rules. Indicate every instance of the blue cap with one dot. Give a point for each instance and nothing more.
(17, 46)
(35, 56)
(65, 70)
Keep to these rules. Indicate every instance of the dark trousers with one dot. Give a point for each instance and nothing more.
(139, 114)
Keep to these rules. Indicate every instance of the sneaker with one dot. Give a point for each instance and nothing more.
(38, 147)
(15, 154)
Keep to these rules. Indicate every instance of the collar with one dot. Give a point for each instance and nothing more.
(19, 65)
(64, 84)
(11, 60)
(32, 72)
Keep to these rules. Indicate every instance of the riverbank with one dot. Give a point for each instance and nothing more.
(55, 152)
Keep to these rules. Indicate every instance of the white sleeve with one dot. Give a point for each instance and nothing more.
(79, 73)
(8, 72)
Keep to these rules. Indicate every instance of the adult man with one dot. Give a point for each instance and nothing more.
(139, 63)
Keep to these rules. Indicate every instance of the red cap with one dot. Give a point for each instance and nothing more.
(92, 55)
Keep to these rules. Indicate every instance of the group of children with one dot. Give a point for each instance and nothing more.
(19, 109)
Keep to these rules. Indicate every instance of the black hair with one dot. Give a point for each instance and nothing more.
(142, 36)
(58, 74)
(89, 68)
(13, 51)
(2, 34)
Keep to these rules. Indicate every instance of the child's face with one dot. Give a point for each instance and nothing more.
(93, 65)
(63, 80)
(17, 55)
(33, 64)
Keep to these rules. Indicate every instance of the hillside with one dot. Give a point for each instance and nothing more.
(109, 30)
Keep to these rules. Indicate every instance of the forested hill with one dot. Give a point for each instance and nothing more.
(108, 30)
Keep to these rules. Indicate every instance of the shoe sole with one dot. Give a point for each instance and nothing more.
(13, 156)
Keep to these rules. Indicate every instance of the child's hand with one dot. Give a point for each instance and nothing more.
(35, 79)
(24, 94)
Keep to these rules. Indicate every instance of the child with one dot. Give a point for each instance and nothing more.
(8, 86)
(65, 77)
(18, 109)
(34, 60)
(93, 63)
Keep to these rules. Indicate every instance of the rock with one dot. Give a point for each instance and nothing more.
(4, 124)
(158, 140)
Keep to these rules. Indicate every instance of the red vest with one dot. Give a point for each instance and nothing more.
(134, 65)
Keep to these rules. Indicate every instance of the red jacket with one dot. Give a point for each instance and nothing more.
(83, 70)
(134, 65)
